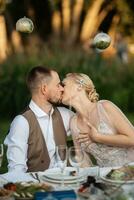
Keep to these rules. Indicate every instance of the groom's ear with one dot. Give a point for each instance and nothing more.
(43, 88)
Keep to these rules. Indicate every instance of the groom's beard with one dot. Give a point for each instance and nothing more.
(54, 102)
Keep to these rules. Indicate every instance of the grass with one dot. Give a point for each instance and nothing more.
(5, 124)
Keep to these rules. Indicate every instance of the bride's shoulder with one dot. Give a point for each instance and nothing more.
(108, 105)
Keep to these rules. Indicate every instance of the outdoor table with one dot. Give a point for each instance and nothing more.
(18, 176)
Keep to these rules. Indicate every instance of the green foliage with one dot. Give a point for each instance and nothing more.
(12, 89)
(113, 80)
(4, 126)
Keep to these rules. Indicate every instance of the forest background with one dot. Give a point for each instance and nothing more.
(62, 39)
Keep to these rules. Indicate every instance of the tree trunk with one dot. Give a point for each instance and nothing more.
(102, 16)
(90, 21)
(77, 9)
(56, 23)
(114, 26)
(66, 12)
(111, 51)
(3, 39)
(2, 6)
(16, 41)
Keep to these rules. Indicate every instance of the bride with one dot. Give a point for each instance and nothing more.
(99, 127)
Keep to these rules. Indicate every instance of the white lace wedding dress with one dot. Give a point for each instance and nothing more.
(105, 155)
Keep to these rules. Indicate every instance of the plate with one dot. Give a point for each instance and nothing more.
(23, 198)
(55, 175)
(103, 176)
(44, 178)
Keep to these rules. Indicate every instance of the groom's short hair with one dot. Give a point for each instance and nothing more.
(36, 76)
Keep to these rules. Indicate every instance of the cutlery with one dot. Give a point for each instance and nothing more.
(35, 176)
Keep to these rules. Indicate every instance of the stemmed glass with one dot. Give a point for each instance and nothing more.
(76, 157)
(61, 157)
(1, 153)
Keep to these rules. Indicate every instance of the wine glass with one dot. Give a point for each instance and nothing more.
(1, 153)
(61, 157)
(76, 157)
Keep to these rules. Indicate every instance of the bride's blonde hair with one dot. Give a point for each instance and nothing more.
(84, 81)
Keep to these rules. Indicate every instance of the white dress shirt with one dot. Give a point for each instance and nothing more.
(17, 139)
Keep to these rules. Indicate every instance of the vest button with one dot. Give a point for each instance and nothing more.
(42, 161)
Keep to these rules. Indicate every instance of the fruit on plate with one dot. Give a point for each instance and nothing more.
(125, 173)
(27, 190)
(5, 194)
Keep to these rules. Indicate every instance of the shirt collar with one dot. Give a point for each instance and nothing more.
(37, 110)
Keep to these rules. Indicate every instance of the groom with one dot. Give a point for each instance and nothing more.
(35, 133)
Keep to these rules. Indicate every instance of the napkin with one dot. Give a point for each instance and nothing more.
(56, 195)
(17, 176)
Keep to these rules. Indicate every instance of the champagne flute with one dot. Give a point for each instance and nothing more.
(76, 157)
(1, 153)
(61, 157)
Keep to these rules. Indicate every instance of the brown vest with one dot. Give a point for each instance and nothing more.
(37, 155)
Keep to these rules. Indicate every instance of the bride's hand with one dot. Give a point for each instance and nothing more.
(84, 138)
(93, 134)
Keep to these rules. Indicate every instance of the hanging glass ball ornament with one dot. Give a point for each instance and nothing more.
(102, 41)
(24, 25)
